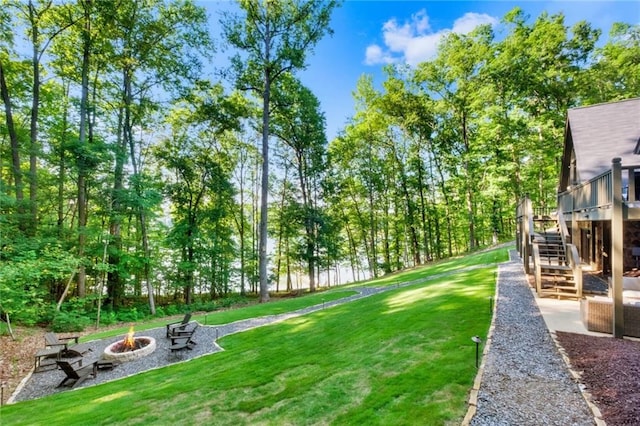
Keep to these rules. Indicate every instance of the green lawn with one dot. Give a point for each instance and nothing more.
(441, 267)
(227, 316)
(404, 356)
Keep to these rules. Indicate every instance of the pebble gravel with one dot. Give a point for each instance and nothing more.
(42, 383)
(525, 380)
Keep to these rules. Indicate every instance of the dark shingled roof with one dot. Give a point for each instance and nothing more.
(602, 132)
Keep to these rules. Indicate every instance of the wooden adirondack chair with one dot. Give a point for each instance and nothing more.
(66, 348)
(41, 357)
(77, 375)
(184, 340)
(173, 328)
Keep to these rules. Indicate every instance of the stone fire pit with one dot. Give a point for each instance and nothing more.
(141, 347)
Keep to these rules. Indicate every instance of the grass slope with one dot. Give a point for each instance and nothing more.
(227, 316)
(404, 356)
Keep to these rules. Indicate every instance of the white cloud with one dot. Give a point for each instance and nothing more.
(375, 55)
(422, 48)
(414, 41)
(470, 21)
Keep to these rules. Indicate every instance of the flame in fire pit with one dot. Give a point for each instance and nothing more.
(129, 343)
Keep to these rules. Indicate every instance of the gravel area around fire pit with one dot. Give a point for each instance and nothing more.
(525, 380)
(44, 383)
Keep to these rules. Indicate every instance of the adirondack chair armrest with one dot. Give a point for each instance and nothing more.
(64, 345)
(74, 338)
(182, 330)
(174, 323)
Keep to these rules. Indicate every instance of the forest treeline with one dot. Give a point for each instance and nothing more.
(126, 177)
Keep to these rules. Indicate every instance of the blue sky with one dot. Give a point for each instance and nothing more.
(369, 34)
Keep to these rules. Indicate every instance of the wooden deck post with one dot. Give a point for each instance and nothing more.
(617, 247)
(528, 220)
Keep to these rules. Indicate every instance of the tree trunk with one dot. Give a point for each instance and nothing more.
(363, 232)
(413, 234)
(353, 255)
(82, 166)
(281, 231)
(264, 189)
(388, 267)
(142, 218)
(114, 279)
(426, 233)
(62, 164)
(308, 222)
(468, 183)
(33, 130)
(289, 281)
(15, 151)
(373, 264)
(189, 274)
(241, 228)
(445, 195)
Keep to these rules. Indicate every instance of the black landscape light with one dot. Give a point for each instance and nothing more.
(477, 340)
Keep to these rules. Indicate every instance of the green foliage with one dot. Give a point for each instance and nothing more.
(429, 166)
(69, 321)
(129, 315)
(232, 300)
(4, 329)
(108, 318)
(29, 266)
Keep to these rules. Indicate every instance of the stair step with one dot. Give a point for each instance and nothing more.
(558, 294)
(564, 287)
(556, 268)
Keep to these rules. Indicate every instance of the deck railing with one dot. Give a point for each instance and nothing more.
(593, 194)
(597, 193)
(608, 192)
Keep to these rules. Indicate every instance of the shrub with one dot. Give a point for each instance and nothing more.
(233, 300)
(173, 310)
(68, 321)
(204, 305)
(129, 315)
(108, 318)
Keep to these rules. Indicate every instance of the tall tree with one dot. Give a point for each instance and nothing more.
(45, 22)
(156, 45)
(82, 141)
(276, 36)
(299, 123)
(454, 76)
(200, 187)
(615, 73)
(6, 47)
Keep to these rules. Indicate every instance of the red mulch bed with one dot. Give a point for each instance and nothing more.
(610, 371)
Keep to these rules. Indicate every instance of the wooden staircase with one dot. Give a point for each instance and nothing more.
(557, 266)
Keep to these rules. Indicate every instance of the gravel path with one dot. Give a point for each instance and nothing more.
(525, 380)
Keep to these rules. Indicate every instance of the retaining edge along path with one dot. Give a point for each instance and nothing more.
(523, 378)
